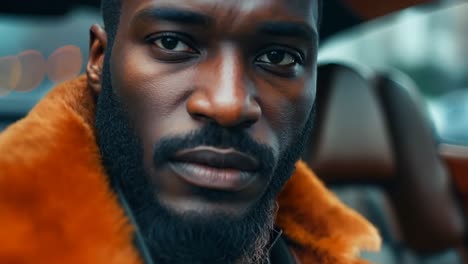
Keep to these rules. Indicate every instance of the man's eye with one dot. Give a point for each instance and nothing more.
(278, 57)
(172, 44)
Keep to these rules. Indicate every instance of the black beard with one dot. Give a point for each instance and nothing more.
(190, 238)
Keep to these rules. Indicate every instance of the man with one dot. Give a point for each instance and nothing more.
(176, 145)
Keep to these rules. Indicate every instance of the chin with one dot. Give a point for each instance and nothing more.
(210, 204)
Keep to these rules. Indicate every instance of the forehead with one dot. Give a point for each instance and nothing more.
(234, 12)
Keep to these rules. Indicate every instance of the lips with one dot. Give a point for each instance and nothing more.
(213, 168)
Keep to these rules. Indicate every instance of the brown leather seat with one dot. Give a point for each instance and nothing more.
(374, 144)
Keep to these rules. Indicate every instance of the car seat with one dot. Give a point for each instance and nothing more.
(374, 147)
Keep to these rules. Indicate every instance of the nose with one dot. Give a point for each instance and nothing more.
(224, 93)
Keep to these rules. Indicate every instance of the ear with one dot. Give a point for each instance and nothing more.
(97, 48)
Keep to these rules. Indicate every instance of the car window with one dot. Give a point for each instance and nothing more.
(429, 44)
(36, 52)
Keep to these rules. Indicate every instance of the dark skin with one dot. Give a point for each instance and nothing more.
(219, 72)
(177, 66)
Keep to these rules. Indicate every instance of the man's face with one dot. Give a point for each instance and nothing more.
(215, 96)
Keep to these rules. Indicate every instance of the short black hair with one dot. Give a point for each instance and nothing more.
(111, 10)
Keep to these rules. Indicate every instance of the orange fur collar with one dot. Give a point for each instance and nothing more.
(56, 205)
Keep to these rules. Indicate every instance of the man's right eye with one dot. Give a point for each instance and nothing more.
(172, 44)
(172, 47)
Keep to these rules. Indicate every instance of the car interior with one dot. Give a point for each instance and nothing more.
(391, 131)
(373, 145)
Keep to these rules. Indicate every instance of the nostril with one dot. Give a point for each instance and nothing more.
(235, 111)
(247, 124)
(200, 117)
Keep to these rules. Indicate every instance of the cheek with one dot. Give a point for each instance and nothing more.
(153, 95)
(288, 109)
(293, 120)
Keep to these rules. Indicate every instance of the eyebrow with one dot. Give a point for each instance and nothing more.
(182, 16)
(288, 29)
(176, 15)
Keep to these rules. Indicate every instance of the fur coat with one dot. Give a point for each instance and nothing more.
(56, 205)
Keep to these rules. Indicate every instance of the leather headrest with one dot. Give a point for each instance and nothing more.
(371, 128)
(351, 140)
(422, 190)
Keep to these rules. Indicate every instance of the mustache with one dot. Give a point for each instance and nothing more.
(213, 135)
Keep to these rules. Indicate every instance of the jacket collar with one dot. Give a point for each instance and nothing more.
(55, 179)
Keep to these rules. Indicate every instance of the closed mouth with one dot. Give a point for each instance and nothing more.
(221, 169)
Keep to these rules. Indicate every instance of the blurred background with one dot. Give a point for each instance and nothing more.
(38, 51)
(429, 43)
(422, 45)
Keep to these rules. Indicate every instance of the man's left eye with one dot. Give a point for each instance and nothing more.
(172, 44)
(278, 57)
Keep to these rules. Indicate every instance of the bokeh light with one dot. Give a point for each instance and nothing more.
(27, 70)
(64, 64)
(33, 68)
(10, 74)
